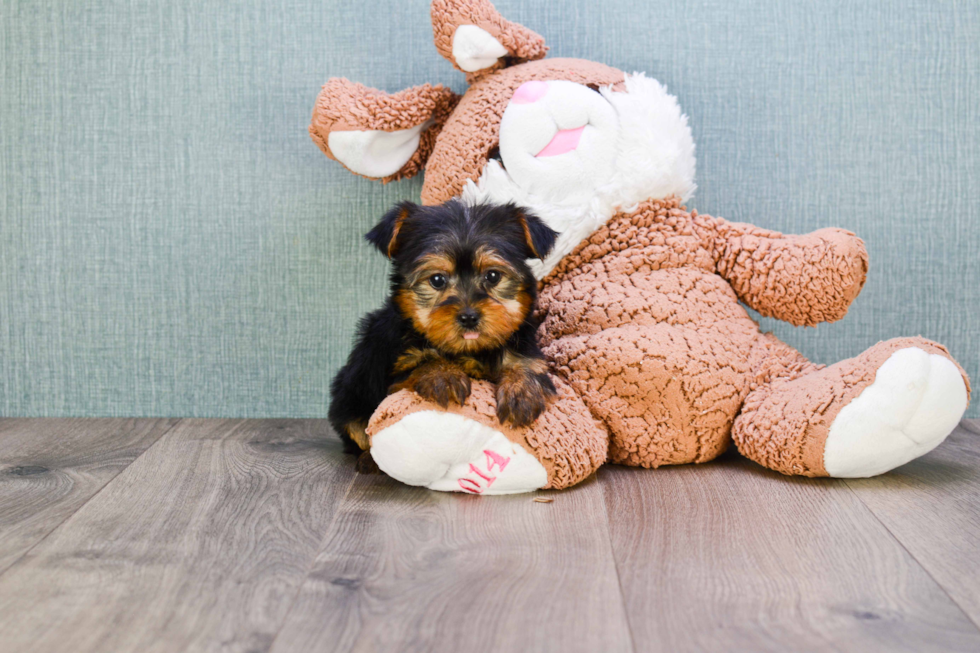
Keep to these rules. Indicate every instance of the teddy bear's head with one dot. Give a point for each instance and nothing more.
(573, 140)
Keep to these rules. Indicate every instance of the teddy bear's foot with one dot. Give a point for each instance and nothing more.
(861, 417)
(451, 453)
(466, 449)
(916, 400)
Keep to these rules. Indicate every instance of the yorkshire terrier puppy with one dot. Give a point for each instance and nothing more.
(461, 304)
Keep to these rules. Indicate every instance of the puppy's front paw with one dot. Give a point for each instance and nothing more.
(442, 386)
(521, 398)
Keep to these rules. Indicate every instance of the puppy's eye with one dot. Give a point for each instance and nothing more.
(437, 281)
(492, 277)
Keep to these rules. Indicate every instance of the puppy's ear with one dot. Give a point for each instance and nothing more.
(539, 236)
(384, 236)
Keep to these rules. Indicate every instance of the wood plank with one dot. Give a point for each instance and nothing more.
(932, 506)
(49, 468)
(200, 544)
(971, 425)
(407, 569)
(730, 556)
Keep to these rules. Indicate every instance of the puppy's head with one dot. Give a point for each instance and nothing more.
(460, 273)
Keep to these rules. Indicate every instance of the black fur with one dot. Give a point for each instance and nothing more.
(451, 228)
(384, 334)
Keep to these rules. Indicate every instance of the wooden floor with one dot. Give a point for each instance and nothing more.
(205, 535)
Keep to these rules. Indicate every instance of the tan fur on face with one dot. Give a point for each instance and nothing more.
(485, 259)
(509, 293)
(433, 313)
(432, 264)
(411, 309)
(444, 332)
(501, 319)
(416, 300)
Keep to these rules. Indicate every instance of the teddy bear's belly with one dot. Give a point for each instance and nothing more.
(664, 359)
(686, 296)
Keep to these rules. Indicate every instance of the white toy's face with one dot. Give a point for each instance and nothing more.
(558, 140)
(574, 156)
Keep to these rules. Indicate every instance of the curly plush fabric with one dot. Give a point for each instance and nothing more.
(804, 280)
(448, 15)
(474, 127)
(642, 319)
(640, 322)
(570, 444)
(784, 425)
(344, 105)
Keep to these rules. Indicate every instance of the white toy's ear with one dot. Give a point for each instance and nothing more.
(379, 135)
(374, 153)
(475, 49)
(475, 38)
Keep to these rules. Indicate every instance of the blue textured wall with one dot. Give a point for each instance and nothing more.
(172, 243)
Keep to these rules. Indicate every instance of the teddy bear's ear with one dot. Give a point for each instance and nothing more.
(379, 135)
(475, 38)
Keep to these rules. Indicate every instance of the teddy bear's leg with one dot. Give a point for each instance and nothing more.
(861, 417)
(466, 449)
(667, 393)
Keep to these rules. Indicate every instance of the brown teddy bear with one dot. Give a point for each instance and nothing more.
(656, 361)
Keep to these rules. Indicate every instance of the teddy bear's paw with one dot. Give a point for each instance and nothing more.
(916, 400)
(452, 453)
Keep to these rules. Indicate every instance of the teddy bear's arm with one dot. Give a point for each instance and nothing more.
(803, 280)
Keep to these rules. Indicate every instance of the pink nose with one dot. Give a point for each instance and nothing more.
(529, 92)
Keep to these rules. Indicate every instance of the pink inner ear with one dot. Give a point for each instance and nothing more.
(529, 92)
(565, 140)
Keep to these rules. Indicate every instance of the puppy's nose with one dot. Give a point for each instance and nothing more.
(468, 318)
(529, 92)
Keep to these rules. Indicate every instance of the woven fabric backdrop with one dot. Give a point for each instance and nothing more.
(172, 242)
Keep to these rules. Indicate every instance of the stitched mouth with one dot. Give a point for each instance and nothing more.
(564, 141)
